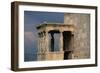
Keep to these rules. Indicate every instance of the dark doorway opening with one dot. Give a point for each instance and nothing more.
(66, 55)
(66, 45)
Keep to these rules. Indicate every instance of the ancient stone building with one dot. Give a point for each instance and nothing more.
(73, 41)
(65, 47)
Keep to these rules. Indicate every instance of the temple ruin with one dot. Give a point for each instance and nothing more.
(65, 45)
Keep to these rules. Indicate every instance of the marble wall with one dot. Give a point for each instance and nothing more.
(81, 42)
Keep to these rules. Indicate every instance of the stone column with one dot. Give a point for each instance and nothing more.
(47, 41)
(42, 42)
(61, 41)
(38, 42)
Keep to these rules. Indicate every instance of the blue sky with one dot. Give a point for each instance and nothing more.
(31, 20)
